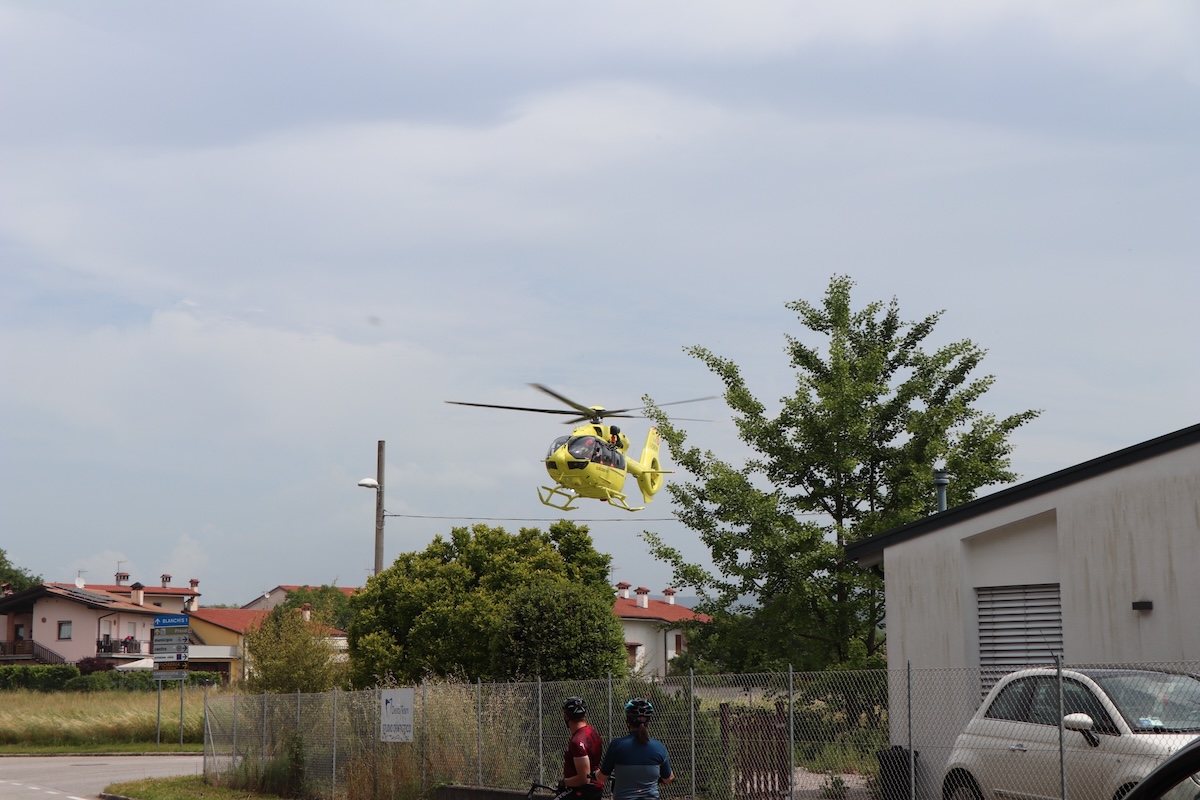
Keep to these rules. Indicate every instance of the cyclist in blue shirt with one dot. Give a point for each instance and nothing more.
(637, 764)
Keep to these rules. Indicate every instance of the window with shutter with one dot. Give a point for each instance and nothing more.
(1018, 626)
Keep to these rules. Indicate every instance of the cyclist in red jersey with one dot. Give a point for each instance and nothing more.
(582, 756)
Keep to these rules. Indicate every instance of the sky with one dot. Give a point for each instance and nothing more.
(242, 242)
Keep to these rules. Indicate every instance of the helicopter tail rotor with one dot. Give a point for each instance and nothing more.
(649, 471)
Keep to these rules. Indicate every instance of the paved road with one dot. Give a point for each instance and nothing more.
(84, 777)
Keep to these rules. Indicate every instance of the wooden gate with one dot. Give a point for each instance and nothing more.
(755, 741)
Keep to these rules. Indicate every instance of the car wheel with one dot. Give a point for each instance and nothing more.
(960, 785)
(1124, 790)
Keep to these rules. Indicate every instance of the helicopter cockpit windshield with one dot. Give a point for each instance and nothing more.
(594, 449)
(557, 443)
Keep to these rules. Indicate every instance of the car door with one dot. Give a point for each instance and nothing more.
(1090, 761)
(999, 742)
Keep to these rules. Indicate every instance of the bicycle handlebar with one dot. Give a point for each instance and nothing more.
(533, 787)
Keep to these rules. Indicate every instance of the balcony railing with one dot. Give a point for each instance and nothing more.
(20, 647)
(118, 646)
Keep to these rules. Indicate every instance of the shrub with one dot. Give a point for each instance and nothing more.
(39, 677)
(92, 682)
(87, 666)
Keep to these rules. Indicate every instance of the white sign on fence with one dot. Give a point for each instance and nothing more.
(396, 715)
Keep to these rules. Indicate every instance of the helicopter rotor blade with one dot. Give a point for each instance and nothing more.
(622, 411)
(513, 408)
(580, 413)
(584, 411)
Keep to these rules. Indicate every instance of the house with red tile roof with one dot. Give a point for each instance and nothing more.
(63, 623)
(165, 597)
(654, 631)
(219, 640)
(274, 597)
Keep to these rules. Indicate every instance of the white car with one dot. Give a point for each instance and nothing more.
(1117, 726)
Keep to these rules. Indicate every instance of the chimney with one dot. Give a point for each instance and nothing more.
(306, 612)
(643, 596)
(941, 479)
(189, 603)
(623, 590)
(194, 582)
(121, 577)
(670, 595)
(166, 579)
(138, 594)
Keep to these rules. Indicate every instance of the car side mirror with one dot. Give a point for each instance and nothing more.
(1083, 723)
(1078, 722)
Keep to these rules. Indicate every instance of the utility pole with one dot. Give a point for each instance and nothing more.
(379, 511)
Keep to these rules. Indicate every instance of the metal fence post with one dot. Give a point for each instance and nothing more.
(1062, 745)
(424, 716)
(375, 743)
(333, 772)
(692, 723)
(912, 756)
(541, 755)
(479, 731)
(263, 742)
(609, 704)
(207, 736)
(791, 735)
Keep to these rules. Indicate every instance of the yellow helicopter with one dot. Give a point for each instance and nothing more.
(592, 461)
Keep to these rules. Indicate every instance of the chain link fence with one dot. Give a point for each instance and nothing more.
(841, 735)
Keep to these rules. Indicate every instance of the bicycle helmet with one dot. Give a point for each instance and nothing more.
(639, 710)
(574, 707)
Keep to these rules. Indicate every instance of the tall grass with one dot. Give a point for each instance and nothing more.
(66, 719)
(294, 758)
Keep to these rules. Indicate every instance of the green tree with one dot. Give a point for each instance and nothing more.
(328, 602)
(453, 608)
(849, 455)
(559, 631)
(289, 653)
(17, 578)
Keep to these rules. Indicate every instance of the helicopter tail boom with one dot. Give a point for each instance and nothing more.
(648, 470)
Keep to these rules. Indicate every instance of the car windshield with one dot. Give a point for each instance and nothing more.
(1154, 701)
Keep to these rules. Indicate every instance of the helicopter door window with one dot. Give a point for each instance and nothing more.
(557, 443)
(582, 447)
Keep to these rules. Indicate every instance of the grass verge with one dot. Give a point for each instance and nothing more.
(137, 748)
(184, 787)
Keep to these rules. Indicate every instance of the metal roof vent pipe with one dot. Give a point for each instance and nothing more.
(941, 479)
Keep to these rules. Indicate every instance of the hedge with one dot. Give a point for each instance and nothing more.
(39, 677)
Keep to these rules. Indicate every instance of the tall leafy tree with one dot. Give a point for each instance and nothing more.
(289, 653)
(328, 602)
(850, 454)
(17, 578)
(453, 609)
(557, 631)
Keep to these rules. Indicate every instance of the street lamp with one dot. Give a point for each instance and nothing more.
(376, 483)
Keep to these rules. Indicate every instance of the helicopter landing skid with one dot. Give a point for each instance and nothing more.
(548, 495)
(568, 497)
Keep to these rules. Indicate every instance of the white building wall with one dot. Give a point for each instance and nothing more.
(1129, 534)
(658, 645)
(1134, 534)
